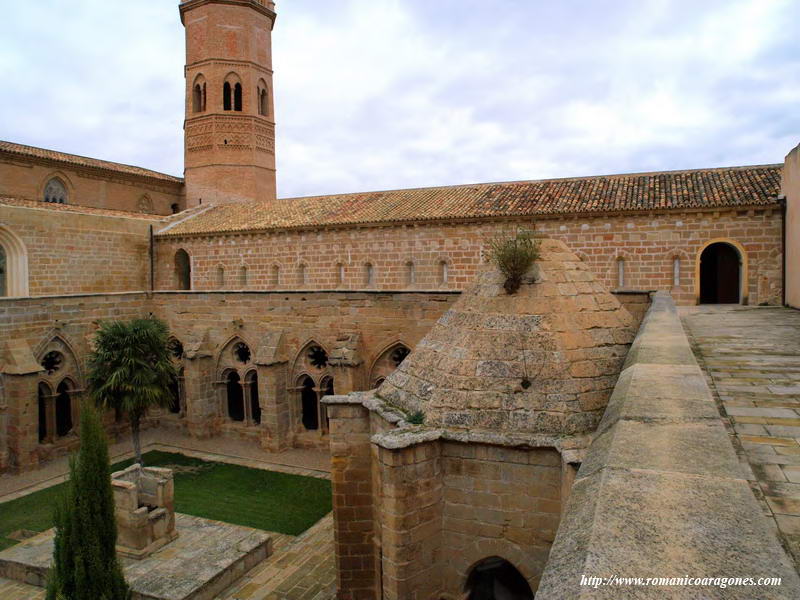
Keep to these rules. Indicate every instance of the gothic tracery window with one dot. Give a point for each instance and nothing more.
(55, 191)
(242, 352)
(317, 356)
(52, 361)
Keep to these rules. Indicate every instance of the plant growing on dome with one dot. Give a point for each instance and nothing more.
(416, 418)
(513, 256)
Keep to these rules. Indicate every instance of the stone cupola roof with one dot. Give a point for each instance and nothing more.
(543, 360)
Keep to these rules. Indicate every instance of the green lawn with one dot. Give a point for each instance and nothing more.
(239, 495)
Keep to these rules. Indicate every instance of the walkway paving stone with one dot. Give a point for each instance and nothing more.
(751, 356)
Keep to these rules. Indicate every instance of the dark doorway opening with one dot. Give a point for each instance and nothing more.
(63, 410)
(310, 404)
(494, 578)
(235, 397)
(255, 407)
(44, 394)
(175, 397)
(720, 273)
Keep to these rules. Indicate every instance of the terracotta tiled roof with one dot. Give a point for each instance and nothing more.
(74, 159)
(74, 208)
(703, 188)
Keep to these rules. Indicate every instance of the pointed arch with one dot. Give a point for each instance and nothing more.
(387, 360)
(56, 188)
(230, 354)
(59, 359)
(311, 358)
(13, 264)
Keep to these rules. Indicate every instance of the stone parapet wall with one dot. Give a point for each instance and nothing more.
(661, 492)
(337, 258)
(79, 253)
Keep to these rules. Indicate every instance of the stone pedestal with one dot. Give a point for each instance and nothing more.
(144, 509)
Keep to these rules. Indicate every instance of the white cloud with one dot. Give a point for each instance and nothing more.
(378, 94)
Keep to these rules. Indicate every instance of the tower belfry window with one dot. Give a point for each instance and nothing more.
(237, 97)
(226, 96)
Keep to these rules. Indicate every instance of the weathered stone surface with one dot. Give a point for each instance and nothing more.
(515, 362)
(207, 557)
(661, 492)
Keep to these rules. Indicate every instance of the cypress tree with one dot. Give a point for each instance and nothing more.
(85, 565)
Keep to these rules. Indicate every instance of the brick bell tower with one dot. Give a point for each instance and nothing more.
(229, 132)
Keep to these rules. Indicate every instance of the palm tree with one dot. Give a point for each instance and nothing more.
(131, 369)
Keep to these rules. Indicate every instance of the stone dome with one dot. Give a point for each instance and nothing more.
(542, 360)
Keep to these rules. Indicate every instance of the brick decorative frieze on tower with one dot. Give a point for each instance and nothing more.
(229, 132)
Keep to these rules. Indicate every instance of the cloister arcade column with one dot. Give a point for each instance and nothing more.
(272, 364)
(201, 398)
(20, 380)
(345, 362)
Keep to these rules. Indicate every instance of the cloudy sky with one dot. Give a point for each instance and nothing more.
(379, 94)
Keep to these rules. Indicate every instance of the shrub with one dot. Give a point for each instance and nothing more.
(416, 418)
(513, 256)
(85, 565)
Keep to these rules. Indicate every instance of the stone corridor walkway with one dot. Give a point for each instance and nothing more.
(751, 356)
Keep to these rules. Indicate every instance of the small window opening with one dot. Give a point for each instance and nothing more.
(55, 192)
(226, 96)
(237, 97)
(620, 273)
(411, 275)
(369, 275)
(676, 272)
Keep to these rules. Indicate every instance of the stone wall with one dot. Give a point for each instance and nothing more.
(22, 177)
(661, 492)
(278, 329)
(29, 329)
(413, 517)
(498, 502)
(76, 253)
(790, 187)
(337, 258)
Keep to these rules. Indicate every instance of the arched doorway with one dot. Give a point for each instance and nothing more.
(495, 578)
(720, 274)
(175, 394)
(309, 404)
(183, 270)
(235, 396)
(44, 393)
(252, 385)
(63, 409)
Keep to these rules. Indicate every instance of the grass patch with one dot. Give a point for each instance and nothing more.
(239, 495)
